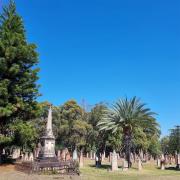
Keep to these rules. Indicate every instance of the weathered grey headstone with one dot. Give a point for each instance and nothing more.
(26, 157)
(118, 157)
(59, 154)
(162, 165)
(91, 154)
(31, 157)
(139, 164)
(162, 162)
(178, 161)
(158, 162)
(114, 164)
(63, 154)
(81, 163)
(75, 156)
(16, 153)
(125, 165)
(104, 154)
(110, 156)
(94, 155)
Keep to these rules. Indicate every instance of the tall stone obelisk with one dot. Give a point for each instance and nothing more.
(48, 140)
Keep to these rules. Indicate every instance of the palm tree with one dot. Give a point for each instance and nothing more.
(129, 115)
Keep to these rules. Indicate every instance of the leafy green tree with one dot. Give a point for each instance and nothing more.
(174, 140)
(154, 147)
(165, 145)
(70, 127)
(129, 115)
(18, 72)
(115, 140)
(97, 139)
(24, 134)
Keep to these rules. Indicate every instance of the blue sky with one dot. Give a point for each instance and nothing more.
(102, 50)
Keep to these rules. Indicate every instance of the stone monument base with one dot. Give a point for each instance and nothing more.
(48, 165)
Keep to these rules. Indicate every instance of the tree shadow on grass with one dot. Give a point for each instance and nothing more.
(103, 166)
(172, 168)
(106, 166)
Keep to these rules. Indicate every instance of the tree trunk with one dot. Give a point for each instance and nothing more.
(127, 139)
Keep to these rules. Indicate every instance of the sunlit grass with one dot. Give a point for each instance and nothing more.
(150, 171)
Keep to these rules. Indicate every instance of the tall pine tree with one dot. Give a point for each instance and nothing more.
(18, 70)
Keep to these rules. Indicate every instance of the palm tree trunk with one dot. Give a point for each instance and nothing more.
(127, 139)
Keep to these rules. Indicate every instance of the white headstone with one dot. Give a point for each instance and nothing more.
(139, 164)
(158, 162)
(75, 156)
(16, 153)
(125, 165)
(91, 155)
(26, 157)
(114, 164)
(162, 165)
(31, 157)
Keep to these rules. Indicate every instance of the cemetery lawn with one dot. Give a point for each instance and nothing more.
(149, 172)
(89, 172)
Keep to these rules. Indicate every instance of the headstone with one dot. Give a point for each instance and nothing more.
(59, 154)
(139, 164)
(125, 165)
(94, 155)
(91, 155)
(158, 162)
(31, 157)
(75, 156)
(104, 154)
(87, 155)
(3, 152)
(81, 160)
(68, 157)
(102, 157)
(118, 157)
(114, 165)
(16, 153)
(178, 161)
(162, 165)
(63, 154)
(110, 156)
(26, 157)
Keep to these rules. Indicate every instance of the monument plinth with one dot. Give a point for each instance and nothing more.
(48, 140)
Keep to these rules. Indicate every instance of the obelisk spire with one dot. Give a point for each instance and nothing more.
(49, 131)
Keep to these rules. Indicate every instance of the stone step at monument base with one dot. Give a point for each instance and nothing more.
(46, 159)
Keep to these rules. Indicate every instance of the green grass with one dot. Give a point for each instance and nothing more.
(149, 172)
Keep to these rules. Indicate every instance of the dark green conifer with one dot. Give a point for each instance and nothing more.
(18, 70)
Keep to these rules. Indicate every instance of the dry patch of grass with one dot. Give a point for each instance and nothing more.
(7, 168)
